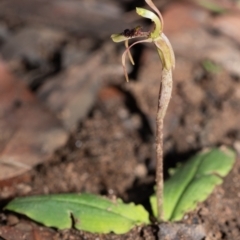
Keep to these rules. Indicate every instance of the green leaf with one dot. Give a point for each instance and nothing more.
(211, 67)
(83, 211)
(194, 181)
(212, 6)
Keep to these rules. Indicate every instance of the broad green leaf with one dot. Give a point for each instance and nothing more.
(194, 181)
(83, 211)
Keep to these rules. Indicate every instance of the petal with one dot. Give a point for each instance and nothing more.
(153, 7)
(165, 52)
(124, 56)
(129, 53)
(170, 48)
(119, 37)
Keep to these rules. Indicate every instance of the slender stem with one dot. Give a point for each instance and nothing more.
(159, 169)
(163, 101)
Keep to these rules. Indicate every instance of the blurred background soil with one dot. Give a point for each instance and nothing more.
(70, 123)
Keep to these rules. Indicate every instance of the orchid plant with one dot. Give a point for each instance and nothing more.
(167, 58)
(190, 184)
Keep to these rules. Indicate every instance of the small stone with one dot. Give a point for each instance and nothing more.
(24, 227)
(12, 220)
(237, 146)
(181, 231)
(140, 170)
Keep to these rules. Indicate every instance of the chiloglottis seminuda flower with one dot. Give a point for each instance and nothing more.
(166, 55)
(155, 36)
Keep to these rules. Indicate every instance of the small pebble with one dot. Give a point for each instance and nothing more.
(12, 220)
(24, 227)
(140, 170)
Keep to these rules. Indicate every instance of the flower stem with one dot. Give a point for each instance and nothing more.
(163, 101)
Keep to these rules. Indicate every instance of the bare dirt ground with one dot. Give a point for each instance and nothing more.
(69, 122)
